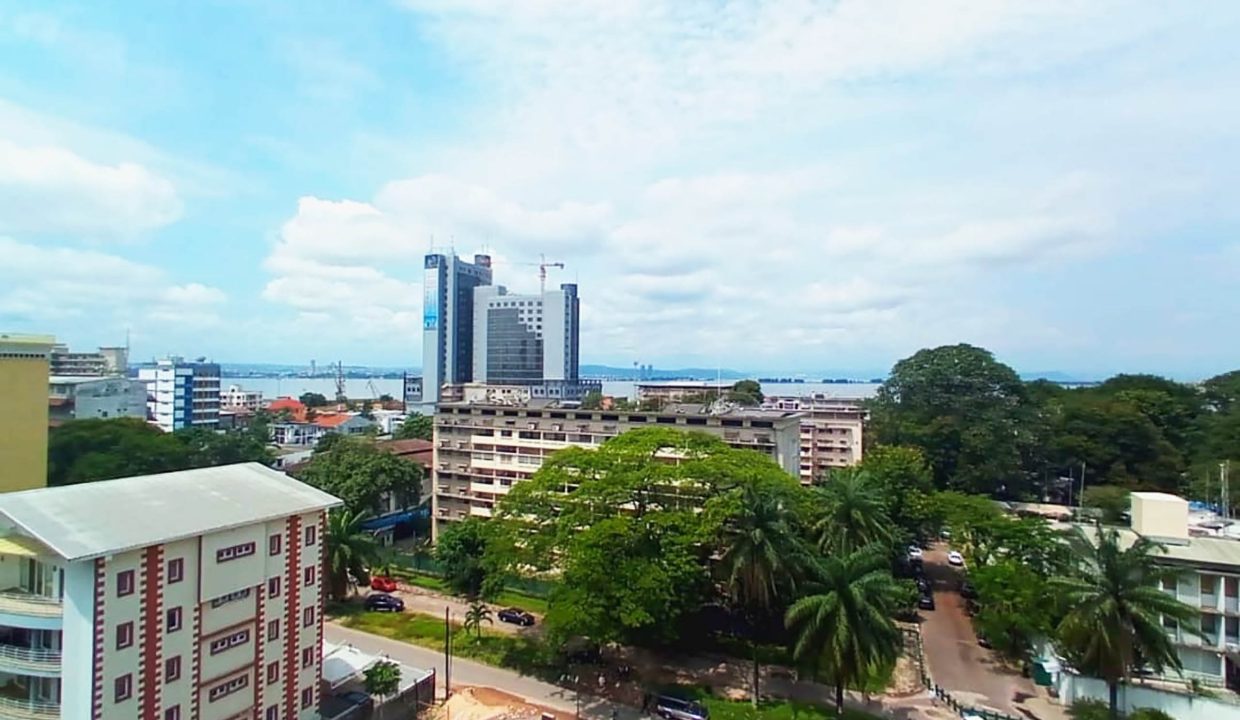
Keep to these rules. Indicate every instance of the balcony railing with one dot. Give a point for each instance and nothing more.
(11, 709)
(25, 661)
(20, 603)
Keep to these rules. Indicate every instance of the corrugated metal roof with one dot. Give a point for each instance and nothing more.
(111, 516)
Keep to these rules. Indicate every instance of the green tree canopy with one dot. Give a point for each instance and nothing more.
(416, 426)
(313, 399)
(96, 449)
(965, 411)
(903, 481)
(349, 550)
(746, 392)
(853, 513)
(360, 474)
(1113, 501)
(465, 552)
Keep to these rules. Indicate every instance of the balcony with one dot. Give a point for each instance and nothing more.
(18, 660)
(16, 602)
(11, 709)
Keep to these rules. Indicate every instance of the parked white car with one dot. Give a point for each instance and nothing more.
(914, 552)
(955, 558)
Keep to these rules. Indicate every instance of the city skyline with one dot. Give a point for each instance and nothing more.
(773, 186)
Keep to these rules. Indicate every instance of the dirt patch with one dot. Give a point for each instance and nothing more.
(905, 678)
(486, 703)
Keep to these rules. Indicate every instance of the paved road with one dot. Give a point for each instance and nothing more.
(467, 672)
(954, 658)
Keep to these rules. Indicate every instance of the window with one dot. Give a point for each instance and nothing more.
(311, 533)
(1231, 586)
(173, 713)
(172, 669)
(273, 672)
(307, 617)
(124, 583)
(176, 570)
(274, 544)
(1168, 584)
(172, 620)
(307, 697)
(230, 597)
(122, 688)
(273, 713)
(273, 629)
(1208, 584)
(124, 635)
(308, 576)
(307, 657)
(229, 641)
(228, 688)
(234, 552)
(273, 587)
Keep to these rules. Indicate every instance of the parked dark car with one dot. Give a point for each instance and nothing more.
(926, 602)
(516, 616)
(984, 641)
(923, 585)
(674, 708)
(382, 602)
(967, 590)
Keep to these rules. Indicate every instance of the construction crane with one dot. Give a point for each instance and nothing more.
(542, 271)
(374, 391)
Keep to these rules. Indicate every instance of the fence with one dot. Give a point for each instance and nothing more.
(912, 641)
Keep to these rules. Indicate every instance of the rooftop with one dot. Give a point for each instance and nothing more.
(111, 516)
(726, 410)
(1212, 552)
(79, 379)
(24, 339)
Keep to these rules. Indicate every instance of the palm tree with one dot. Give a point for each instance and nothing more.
(1116, 608)
(349, 548)
(477, 614)
(855, 516)
(762, 552)
(382, 679)
(845, 628)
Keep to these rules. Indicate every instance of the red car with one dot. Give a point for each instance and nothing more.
(383, 583)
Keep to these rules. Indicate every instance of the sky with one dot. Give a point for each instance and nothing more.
(784, 186)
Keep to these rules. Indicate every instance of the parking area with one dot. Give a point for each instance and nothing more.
(953, 656)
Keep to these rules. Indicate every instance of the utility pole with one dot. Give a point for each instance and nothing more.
(1082, 496)
(1223, 467)
(447, 655)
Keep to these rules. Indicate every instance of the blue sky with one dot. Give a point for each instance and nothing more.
(782, 186)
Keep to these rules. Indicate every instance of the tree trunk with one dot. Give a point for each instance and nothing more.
(1113, 691)
(756, 669)
(839, 698)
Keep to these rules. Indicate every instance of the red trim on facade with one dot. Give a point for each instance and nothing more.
(195, 697)
(97, 671)
(318, 633)
(292, 618)
(150, 639)
(260, 648)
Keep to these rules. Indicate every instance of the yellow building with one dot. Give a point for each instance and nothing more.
(23, 423)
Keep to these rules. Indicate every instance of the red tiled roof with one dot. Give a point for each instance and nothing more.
(413, 450)
(285, 403)
(331, 420)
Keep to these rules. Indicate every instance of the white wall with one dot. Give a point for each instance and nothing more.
(77, 643)
(1180, 706)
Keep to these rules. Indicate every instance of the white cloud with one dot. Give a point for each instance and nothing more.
(42, 285)
(51, 189)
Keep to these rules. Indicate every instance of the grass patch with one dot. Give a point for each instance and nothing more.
(723, 709)
(524, 654)
(523, 600)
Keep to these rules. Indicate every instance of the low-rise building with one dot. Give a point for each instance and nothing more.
(193, 594)
(482, 450)
(680, 391)
(310, 431)
(238, 397)
(81, 398)
(107, 361)
(831, 431)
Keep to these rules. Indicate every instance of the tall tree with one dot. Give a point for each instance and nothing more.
(854, 513)
(762, 554)
(416, 426)
(350, 550)
(313, 400)
(746, 392)
(965, 411)
(1116, 608)
(464, 553)
(844, 629)
(363, 476)
(381, 680)
(902, 479)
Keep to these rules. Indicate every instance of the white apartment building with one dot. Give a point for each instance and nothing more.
(831, 431)
(82, 398)
(186, 595)
(482, 450)
(182, 394)
(238, 397)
